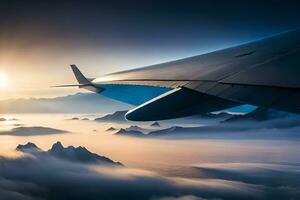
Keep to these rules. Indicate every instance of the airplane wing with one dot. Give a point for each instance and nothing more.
(264, 73)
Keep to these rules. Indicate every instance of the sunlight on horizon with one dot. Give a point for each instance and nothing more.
(3, 80)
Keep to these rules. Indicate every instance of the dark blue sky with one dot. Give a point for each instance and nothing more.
(149, 24)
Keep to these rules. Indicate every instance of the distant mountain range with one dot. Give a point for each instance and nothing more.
(70, 153)
(235, 126)
(119, 116)
(31, 131)
(76, 103)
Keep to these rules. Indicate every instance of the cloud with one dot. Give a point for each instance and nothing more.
(16, 190)
(278, 181)
(32, 131)
(45, 177)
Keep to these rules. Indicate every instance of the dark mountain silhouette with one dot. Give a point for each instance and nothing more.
(70, 153)
(74, 118)
(111, 129)
(217, 115)
(77, 118)
(76, 103)
(260, 114)
(155, 124)
(29, 147)
(137, 128)
(134, 133)
(78, 154)
(118, 116)
(209, 116)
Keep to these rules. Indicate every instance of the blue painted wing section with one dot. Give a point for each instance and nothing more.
(242, 109)
(132, 94)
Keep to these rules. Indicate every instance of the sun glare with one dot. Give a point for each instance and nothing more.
(3, 80)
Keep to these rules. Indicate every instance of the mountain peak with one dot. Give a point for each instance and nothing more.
(57, 147)
(125, 132)
(118, 116)
(155, 124)
(27, 147)
(111, 129)
(78, 154)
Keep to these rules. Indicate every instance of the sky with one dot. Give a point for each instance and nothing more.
(40, 39)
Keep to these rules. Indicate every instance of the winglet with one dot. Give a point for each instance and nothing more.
(79, 76)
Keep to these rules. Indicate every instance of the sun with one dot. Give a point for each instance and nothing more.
(3, 80)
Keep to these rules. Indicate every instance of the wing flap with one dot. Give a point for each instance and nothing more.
(179, 102)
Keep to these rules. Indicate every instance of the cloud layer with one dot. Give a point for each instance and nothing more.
(42, 176)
